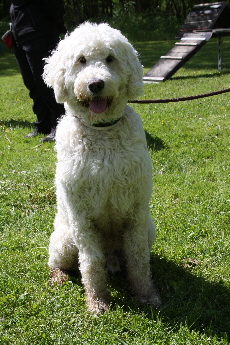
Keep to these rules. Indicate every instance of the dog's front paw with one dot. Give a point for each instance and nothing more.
(57, 276)
(97, 306)
(152, 297)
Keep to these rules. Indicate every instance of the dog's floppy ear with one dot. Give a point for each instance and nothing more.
(135, 82)
(54, 75)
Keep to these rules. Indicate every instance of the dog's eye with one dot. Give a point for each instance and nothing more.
(82, 60)
(109, 59)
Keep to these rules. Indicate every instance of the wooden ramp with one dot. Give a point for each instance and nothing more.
(189, 45)
(203, 22)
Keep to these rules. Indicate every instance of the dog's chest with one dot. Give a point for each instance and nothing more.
(109, 163)
(109, 173)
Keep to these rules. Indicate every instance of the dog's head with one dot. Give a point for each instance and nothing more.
(95, 71)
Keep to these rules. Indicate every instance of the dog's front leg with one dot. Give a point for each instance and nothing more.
(92, 267)
(136, 246)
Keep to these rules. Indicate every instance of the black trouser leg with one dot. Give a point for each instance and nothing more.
(55, 110)
(39, 107)
(45, 107)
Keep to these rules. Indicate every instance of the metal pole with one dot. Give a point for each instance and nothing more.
(219, 54)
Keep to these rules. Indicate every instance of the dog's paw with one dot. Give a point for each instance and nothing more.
(97, 307)
(57, 277)
(151, 298)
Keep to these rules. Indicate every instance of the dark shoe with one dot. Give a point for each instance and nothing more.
(33, 134)
(50, 137)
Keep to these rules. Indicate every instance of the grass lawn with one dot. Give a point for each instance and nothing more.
(189, 146)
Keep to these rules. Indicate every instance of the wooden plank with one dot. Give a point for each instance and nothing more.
(185, 44)
(171, 57)
(193, 38)
(157, 79)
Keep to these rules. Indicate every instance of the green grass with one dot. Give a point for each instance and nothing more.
(189, 145)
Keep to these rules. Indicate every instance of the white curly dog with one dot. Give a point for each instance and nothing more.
(103, 173)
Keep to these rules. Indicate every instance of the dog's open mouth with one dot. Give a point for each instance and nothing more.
(97, 105)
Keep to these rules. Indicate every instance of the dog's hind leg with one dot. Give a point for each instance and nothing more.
(137, 253)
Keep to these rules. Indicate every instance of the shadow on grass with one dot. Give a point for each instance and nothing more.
(187, 299)
(154, 143)
(16, 124)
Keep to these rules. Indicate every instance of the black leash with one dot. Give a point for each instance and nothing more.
(180, 99)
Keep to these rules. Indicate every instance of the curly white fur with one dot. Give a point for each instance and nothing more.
(103, 176)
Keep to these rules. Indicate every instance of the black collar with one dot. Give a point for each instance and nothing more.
(106, 124)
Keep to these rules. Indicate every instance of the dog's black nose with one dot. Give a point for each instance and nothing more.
(96, 85)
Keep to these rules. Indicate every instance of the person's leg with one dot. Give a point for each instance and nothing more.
(39, 107)
(36, 61)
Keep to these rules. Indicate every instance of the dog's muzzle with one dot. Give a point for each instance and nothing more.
(97, 104)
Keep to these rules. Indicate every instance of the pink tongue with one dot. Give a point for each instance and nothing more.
(98, 105)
